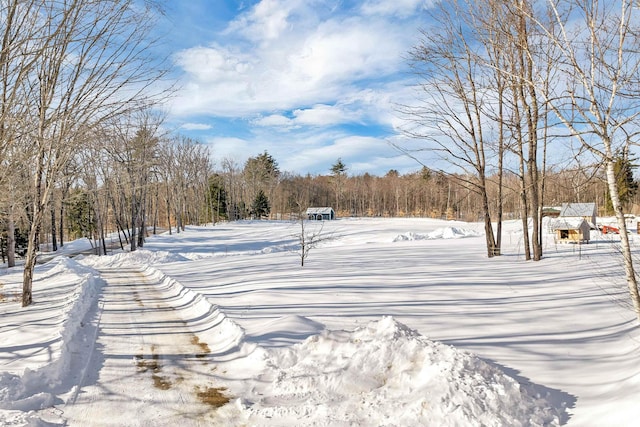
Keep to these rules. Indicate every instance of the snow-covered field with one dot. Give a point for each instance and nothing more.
(392, 322)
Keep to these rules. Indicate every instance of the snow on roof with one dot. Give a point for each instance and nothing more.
(322, 210)
(578, 209)
(567, 223)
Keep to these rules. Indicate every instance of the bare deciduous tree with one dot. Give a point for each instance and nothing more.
(92, 61)
(132, 142)
(311, 232)
(452, 113)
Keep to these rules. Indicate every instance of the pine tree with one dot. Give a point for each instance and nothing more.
(627, 186)
(260, 206)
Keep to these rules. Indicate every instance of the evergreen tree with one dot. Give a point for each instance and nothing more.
(627, 186)
(339, 172)
(260, 206)
(338, 168)
(216, 199)
(79, 215)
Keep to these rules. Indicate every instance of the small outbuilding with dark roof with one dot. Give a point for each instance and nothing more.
(321, 214)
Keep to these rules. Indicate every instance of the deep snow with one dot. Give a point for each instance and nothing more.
(390, 322)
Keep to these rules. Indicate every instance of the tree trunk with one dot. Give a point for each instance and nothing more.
(156, 208)
(61, 227)
(27, 279)
(524, 203)
(142, 215)
(169, 215)
(11, 240)
(529, 100)
(120, 237)
(488, 227)
(102, 238)
(30, 260)
(39, 203)
(133, 225)
(54, 243)
(142, 233)
(525, 225)
(624, 238)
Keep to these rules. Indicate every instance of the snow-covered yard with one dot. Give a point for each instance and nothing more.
(392, 322)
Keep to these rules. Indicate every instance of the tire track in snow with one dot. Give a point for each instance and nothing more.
(147, 368)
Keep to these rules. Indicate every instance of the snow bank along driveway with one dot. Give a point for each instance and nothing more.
(137, 356)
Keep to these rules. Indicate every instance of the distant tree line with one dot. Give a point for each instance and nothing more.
(138, 181)
(259, 189)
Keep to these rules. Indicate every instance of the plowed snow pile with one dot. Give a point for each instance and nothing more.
(388, 374)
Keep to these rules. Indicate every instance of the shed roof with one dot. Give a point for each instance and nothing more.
(578, 209)
(568, 224)
(323, 210)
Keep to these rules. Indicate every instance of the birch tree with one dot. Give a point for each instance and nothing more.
(599, 101)
(481, 73)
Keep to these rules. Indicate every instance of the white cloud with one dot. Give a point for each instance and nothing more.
(233, 148)
(304, 62)
(318, 115)
(323, 115)
(195, 126)
(275, 120)
(212, 64)
(265, 21)
(401, 8)
(343, 51)
(296, 70)
(315, 152)
(353, 150)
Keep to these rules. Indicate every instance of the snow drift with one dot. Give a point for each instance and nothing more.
(387, 374)
(440, 233)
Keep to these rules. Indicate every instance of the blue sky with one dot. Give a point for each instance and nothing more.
(308, 81)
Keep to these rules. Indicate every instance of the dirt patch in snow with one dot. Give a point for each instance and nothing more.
(203, 346)
(213, 396)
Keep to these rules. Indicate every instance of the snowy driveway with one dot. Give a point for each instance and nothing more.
(147, 367)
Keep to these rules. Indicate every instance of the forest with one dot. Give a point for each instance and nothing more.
(149, 185)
